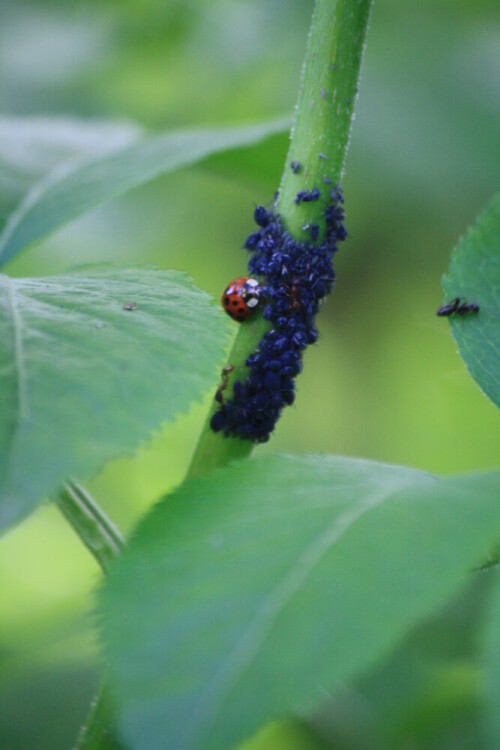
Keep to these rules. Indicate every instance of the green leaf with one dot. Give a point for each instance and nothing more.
(492, 668)
(474, 276)
(67, 193)
(254, 589)
(30, 147)
(83, 380)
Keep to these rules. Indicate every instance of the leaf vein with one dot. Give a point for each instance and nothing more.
(19, 358)
(258, 629)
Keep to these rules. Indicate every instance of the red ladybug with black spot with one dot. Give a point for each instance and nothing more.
(240, 297)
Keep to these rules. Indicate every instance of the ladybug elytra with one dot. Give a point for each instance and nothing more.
(240, 297)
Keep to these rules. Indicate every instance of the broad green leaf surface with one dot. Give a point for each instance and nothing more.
(474, 276)
(82, 380)
(30, 147)
(67, 193)
(254, 589)
(492, 668)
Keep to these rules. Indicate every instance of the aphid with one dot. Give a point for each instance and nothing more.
(457, 307)
(240, 297)
(307, 196)
(314, 232)
(295, 166)
(261, 217)
(226, 371)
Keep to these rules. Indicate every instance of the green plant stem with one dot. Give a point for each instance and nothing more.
(104, 541)
(325, 108)
(90, 523)
(322, 127)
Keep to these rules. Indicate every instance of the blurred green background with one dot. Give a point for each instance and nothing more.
(384, 381)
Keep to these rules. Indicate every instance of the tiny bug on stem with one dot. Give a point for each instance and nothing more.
(226, 371)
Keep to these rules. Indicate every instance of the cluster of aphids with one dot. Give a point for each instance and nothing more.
(288, 280)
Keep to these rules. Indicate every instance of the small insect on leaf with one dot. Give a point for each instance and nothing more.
(457, 307)
(130, 306)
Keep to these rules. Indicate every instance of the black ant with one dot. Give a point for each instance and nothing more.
(457, 307)
(226, 371)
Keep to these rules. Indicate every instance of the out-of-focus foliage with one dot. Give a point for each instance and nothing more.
(32, 147)
(384, 381)
(73, 188)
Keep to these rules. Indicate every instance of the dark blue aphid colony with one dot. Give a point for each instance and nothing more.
(295, 277)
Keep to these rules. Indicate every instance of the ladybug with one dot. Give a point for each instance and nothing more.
(240, 297)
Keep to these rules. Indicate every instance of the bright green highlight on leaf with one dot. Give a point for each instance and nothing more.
(83, 380)
(67, 193)
(474, 276)
(285, 735)
(253, 589)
